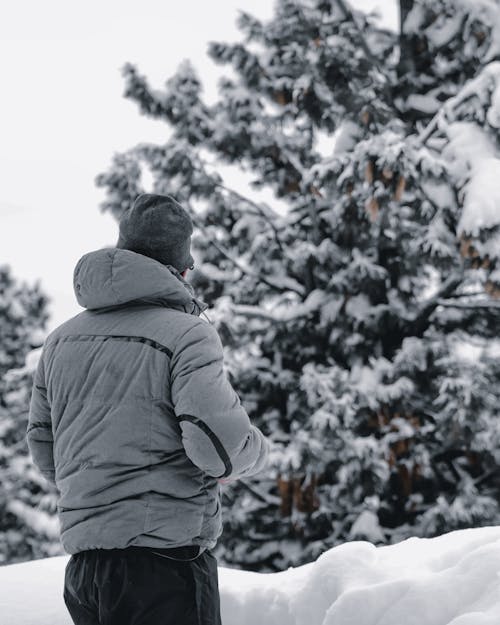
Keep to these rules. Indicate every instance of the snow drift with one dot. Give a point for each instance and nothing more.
(453, 579)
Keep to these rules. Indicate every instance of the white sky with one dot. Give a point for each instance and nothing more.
(63, 115)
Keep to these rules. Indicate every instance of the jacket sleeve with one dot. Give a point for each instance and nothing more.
(216, 430)
(39, 431)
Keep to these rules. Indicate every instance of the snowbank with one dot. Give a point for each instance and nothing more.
(453, 579)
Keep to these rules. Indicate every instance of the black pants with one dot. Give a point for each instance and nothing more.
(135, 586)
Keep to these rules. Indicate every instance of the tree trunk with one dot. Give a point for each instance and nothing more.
(413, 64)
(406, 63)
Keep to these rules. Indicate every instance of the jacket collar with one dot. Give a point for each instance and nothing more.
(110, 277)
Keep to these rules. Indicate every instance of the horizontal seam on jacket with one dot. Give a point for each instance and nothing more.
(215, 440)
(38, 424)
(119, 337)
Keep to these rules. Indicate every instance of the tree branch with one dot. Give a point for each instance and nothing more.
(362, 40)
(478, 305)
(288, 286)
(471, 294)
(260, 210)
(253, 311)
(313, 302)
(419, 322)
(448, 106)
(272, 501)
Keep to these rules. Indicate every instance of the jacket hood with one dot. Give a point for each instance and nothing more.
(111, 277)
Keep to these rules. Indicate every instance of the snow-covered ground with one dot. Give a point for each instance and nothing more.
(453, 579)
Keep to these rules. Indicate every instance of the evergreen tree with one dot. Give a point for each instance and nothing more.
(359, 326)
(29, 527)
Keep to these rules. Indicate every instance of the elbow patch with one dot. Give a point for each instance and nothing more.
(219, 447)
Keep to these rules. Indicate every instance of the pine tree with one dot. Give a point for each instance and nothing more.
(28, 528)
(359, 326)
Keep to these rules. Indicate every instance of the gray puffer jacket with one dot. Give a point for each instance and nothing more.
(132, 416)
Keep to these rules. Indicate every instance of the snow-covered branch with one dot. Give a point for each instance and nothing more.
(419, 322)
(260, 211)
(488, 77)
(282, 314)
(279, 284)
(478, 305)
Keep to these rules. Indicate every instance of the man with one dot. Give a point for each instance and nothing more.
(133, 419)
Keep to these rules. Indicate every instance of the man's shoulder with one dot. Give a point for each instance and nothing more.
(192, 326)
(62, 329)
(196, 331)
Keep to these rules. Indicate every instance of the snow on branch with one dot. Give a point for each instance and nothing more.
(282, 314)
(482, 86)
(419, 321)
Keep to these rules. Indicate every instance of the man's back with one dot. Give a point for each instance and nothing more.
(132, 416)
